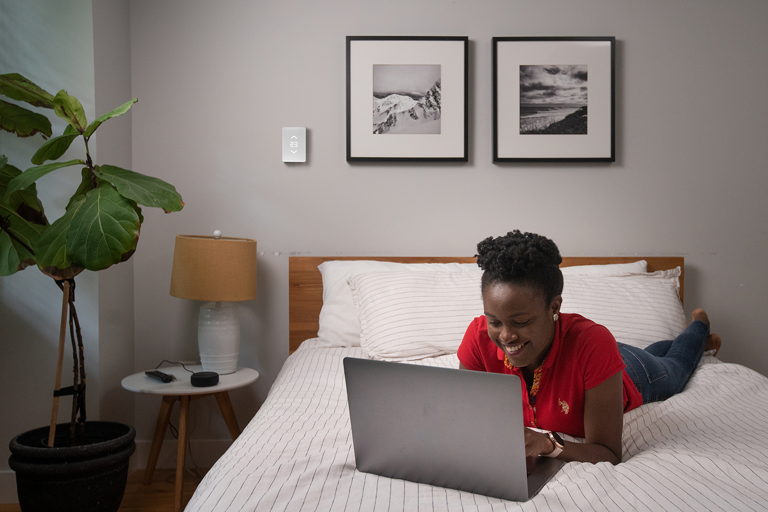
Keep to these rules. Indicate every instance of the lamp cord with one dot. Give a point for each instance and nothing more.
(179, 363)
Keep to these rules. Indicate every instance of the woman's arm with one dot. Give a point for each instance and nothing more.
(603, 421)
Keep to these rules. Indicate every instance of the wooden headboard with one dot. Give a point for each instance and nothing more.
(305, 284)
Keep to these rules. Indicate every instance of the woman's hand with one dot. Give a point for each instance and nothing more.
(603, 418)
(537, 443)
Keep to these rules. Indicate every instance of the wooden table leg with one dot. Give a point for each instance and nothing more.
(157, 442)
(225, 406)
(181, 452)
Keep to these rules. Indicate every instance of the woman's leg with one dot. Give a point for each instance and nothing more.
(653, 376)
(658, 377)
(688, 347)
(660, 348)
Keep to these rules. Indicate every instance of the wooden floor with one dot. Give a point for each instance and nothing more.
(155, 497)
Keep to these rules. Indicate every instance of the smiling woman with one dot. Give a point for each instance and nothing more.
(576, 379)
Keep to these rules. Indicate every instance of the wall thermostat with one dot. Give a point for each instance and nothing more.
(294, 144)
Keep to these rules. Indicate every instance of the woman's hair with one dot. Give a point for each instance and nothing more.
(522, 258)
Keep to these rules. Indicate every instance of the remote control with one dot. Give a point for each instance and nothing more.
(157, 374)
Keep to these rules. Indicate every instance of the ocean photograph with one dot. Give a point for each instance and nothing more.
(553, 99)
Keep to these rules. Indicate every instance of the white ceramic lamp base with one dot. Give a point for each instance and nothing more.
(218, 337)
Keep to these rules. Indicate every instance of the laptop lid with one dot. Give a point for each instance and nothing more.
(451, 428)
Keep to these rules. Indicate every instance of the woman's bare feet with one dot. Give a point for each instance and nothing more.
(713, 343)
(713, 340)
(700, 315)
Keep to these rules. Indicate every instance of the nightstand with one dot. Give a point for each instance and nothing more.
(181, 390)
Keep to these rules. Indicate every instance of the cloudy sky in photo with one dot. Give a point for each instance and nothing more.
(553, 84)
(411, 79)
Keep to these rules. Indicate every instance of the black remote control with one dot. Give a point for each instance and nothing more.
(157, 374)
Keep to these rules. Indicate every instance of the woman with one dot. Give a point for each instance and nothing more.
(576, 378)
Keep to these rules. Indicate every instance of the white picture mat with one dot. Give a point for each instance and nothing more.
(363, 55)
(596, 55)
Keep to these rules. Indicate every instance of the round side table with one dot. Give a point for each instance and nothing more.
(180, 389)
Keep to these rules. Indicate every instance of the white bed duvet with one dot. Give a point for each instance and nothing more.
(704, 449)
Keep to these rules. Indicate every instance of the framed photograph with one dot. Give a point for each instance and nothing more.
(553, 99)
(406, 98)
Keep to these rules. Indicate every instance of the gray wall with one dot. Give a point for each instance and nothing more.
(217, 80)
(112, 84)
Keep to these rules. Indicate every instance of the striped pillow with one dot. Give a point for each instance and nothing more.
(412, 315)
(638, 309)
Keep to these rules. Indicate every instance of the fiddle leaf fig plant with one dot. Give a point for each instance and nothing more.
(103, 217)
(101, 223)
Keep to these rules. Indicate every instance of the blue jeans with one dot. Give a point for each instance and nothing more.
(663, 368)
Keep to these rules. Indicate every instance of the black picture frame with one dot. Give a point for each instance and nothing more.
(554, 99)
(427, 119)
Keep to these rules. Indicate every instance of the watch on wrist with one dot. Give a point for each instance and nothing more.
(557, 443)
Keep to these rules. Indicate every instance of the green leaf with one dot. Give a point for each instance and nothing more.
(17, 237)
(122, 109)
(145, 190)
(13, 257)
(86, 184)
(24, 202)
(33, 174)
(18, 87)
(51, 247)
(71, 110)
(104, 230)
(22, 122)
(54, 148)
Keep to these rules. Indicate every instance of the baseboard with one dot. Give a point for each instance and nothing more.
(200, 452)
(8, 487)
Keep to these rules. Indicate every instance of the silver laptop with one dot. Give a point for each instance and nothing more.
(450, 428)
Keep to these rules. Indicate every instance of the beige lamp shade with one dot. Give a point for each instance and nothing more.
(214, 269)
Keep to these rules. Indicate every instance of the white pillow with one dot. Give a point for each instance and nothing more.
(338, 321)
(412, 315)
(612, 269)
(638, 309)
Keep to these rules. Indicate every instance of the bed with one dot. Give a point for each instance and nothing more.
(703, 449)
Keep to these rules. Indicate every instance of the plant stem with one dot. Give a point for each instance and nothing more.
(89, 163)
(78, 415)
(80, 387)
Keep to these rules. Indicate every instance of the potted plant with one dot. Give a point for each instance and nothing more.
(81, 465)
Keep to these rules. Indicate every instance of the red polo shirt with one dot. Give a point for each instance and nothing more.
(583, 355)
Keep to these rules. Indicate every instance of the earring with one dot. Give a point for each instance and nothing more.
(555, 317)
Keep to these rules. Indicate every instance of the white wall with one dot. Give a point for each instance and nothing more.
(52, 44)
(217, 81)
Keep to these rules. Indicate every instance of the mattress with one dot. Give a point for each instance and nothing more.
(703, 449)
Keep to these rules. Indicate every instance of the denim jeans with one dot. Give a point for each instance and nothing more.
(663, 368)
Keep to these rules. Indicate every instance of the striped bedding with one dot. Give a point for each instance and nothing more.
(704, 449)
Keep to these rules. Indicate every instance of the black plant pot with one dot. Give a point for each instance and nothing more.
(89, 476)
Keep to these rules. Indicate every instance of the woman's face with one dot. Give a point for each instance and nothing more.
(520, 322)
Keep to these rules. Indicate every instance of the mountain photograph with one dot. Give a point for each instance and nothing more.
(406, 99)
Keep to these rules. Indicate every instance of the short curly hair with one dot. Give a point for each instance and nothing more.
(522, 258)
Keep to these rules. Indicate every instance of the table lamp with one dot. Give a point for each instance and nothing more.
(219, 271)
